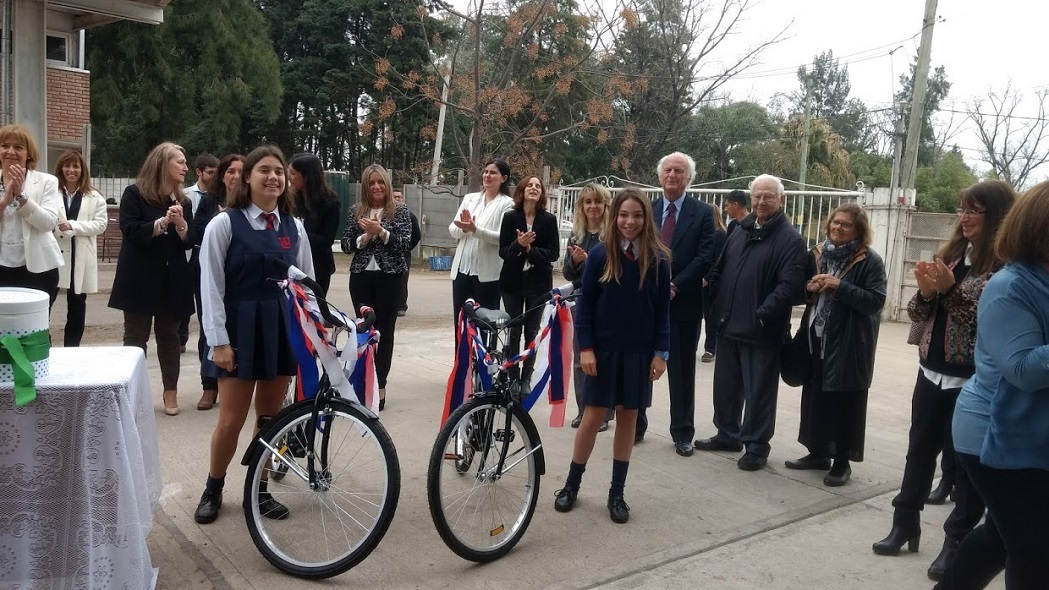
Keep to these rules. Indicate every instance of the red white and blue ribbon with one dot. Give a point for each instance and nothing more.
(470, 355)
(309, 336)
(553, 352)
(364, 379)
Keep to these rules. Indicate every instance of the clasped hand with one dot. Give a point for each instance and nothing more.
(465, 222)
(14, 178)
(578, 254)
(372, 227)
(525, 239)
(822, 282)
(933, 277)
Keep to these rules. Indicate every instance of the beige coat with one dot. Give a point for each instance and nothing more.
(89, 223)
(489, 264)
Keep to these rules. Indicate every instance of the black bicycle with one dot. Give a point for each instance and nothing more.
(483, 478)
(328, 460)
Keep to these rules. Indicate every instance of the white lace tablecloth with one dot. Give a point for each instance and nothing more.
(80, 475)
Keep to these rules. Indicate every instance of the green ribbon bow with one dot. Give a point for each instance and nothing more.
(21, 353)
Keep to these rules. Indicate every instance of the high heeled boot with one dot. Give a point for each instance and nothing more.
(943, 490)
(906, 529)
(943, 560)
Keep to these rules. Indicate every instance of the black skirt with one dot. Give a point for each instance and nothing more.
(622, 380)
(258, 331)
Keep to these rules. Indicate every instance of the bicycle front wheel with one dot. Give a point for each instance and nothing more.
(337, 520)
(481, 505)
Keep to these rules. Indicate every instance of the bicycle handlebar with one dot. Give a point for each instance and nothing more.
(296, 275)
(470, 307)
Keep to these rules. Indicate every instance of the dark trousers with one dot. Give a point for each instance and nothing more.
(183, 330)
(710, 344)
(968, 505)
(746, 383)
(681, 372)
(932, 409)
(76, 317)
(1013, 536)
(46, 281)
(382, 292)
(515, 305)
(468, 287)
(165, 329)
(404, 282)
(949, 468)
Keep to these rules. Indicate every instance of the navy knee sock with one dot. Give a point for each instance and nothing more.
(575, 476)
(619, 470)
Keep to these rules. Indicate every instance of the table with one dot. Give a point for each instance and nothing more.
(80, 474)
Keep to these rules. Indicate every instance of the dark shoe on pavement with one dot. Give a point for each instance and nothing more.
(683, 448)
(207, 399)
(208, 509)
(638, 438)
(716, 444)
(401, 312)
(809, 461)
(577, 421)
(943, 491)
(906, 530)
(565, 499)
(708, 357)
(271, 508)
(751, 462)
(603, 427)
(618, 510)
(837, 477)
(943, 560)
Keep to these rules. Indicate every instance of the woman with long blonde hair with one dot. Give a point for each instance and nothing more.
(153, 283)
(378, 233)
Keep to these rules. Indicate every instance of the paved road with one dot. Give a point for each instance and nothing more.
(696, 522)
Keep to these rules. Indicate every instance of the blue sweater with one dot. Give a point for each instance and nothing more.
(620, 317)
(1002, 414)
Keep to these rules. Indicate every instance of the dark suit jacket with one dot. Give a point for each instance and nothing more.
(322, 224)
(152, 273)
(692, 251)
(545, 249)
(417, 236)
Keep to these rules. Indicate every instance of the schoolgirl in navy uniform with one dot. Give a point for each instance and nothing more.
(245, 314)
(624, 333)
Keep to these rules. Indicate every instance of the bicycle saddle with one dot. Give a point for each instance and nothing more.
(494, 318)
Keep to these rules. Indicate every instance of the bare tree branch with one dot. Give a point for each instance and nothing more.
(1013, 146)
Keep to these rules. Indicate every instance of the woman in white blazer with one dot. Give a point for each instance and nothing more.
(81, 219)
(29, 204)
(476, 225)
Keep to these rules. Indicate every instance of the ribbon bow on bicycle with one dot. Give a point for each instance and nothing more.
(349, 374)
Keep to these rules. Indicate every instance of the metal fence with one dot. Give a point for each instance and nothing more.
(807, 210)
(925, 233)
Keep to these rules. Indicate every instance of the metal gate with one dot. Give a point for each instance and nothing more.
(925, 233)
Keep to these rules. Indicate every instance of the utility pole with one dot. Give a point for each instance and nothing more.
(897, 153)
(439, 140)
(908, 168)
(804, 165)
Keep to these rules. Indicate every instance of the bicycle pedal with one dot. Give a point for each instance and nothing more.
(501, 434)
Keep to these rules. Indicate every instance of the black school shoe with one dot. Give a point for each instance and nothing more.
(271, 508)
(208, 509)
(565, 499)
(618, 509)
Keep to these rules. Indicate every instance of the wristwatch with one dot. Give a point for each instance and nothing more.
(663, 354)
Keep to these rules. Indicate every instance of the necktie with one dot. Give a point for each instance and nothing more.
(271, 221)
(630, 251)
(667, 231)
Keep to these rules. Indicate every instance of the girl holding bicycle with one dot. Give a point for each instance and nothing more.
(629, 270)
(245, 314)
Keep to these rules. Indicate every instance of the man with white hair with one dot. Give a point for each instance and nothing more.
(759, 277)
(686, 226)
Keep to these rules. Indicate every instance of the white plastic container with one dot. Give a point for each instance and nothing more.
(23, 311)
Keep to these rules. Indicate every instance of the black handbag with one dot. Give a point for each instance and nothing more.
(795, 363)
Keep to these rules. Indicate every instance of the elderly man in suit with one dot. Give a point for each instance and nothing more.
(686, 226)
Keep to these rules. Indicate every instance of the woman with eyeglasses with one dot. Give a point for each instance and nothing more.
(944, 309)
(845, 294)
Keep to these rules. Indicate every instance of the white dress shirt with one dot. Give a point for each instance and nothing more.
(213, 267)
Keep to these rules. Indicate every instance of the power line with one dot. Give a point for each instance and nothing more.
(996, 115)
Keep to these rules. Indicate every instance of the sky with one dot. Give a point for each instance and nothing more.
(982, 45)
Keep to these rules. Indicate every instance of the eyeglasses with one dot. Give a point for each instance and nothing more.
(842, 224)
(969, 211)
(764, 198)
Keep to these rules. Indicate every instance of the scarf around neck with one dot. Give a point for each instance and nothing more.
(833, 260)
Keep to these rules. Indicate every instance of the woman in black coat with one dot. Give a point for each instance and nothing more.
(153, 284)
(845, 296)
(529, 244)
(320, 210)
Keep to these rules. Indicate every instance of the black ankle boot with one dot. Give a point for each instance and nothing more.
(943, 560)
(944, 490)
(906, 529)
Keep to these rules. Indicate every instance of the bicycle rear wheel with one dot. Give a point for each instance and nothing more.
(335, 524)
(479, 510)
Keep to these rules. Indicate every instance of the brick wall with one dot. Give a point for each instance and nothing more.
(68, 104)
